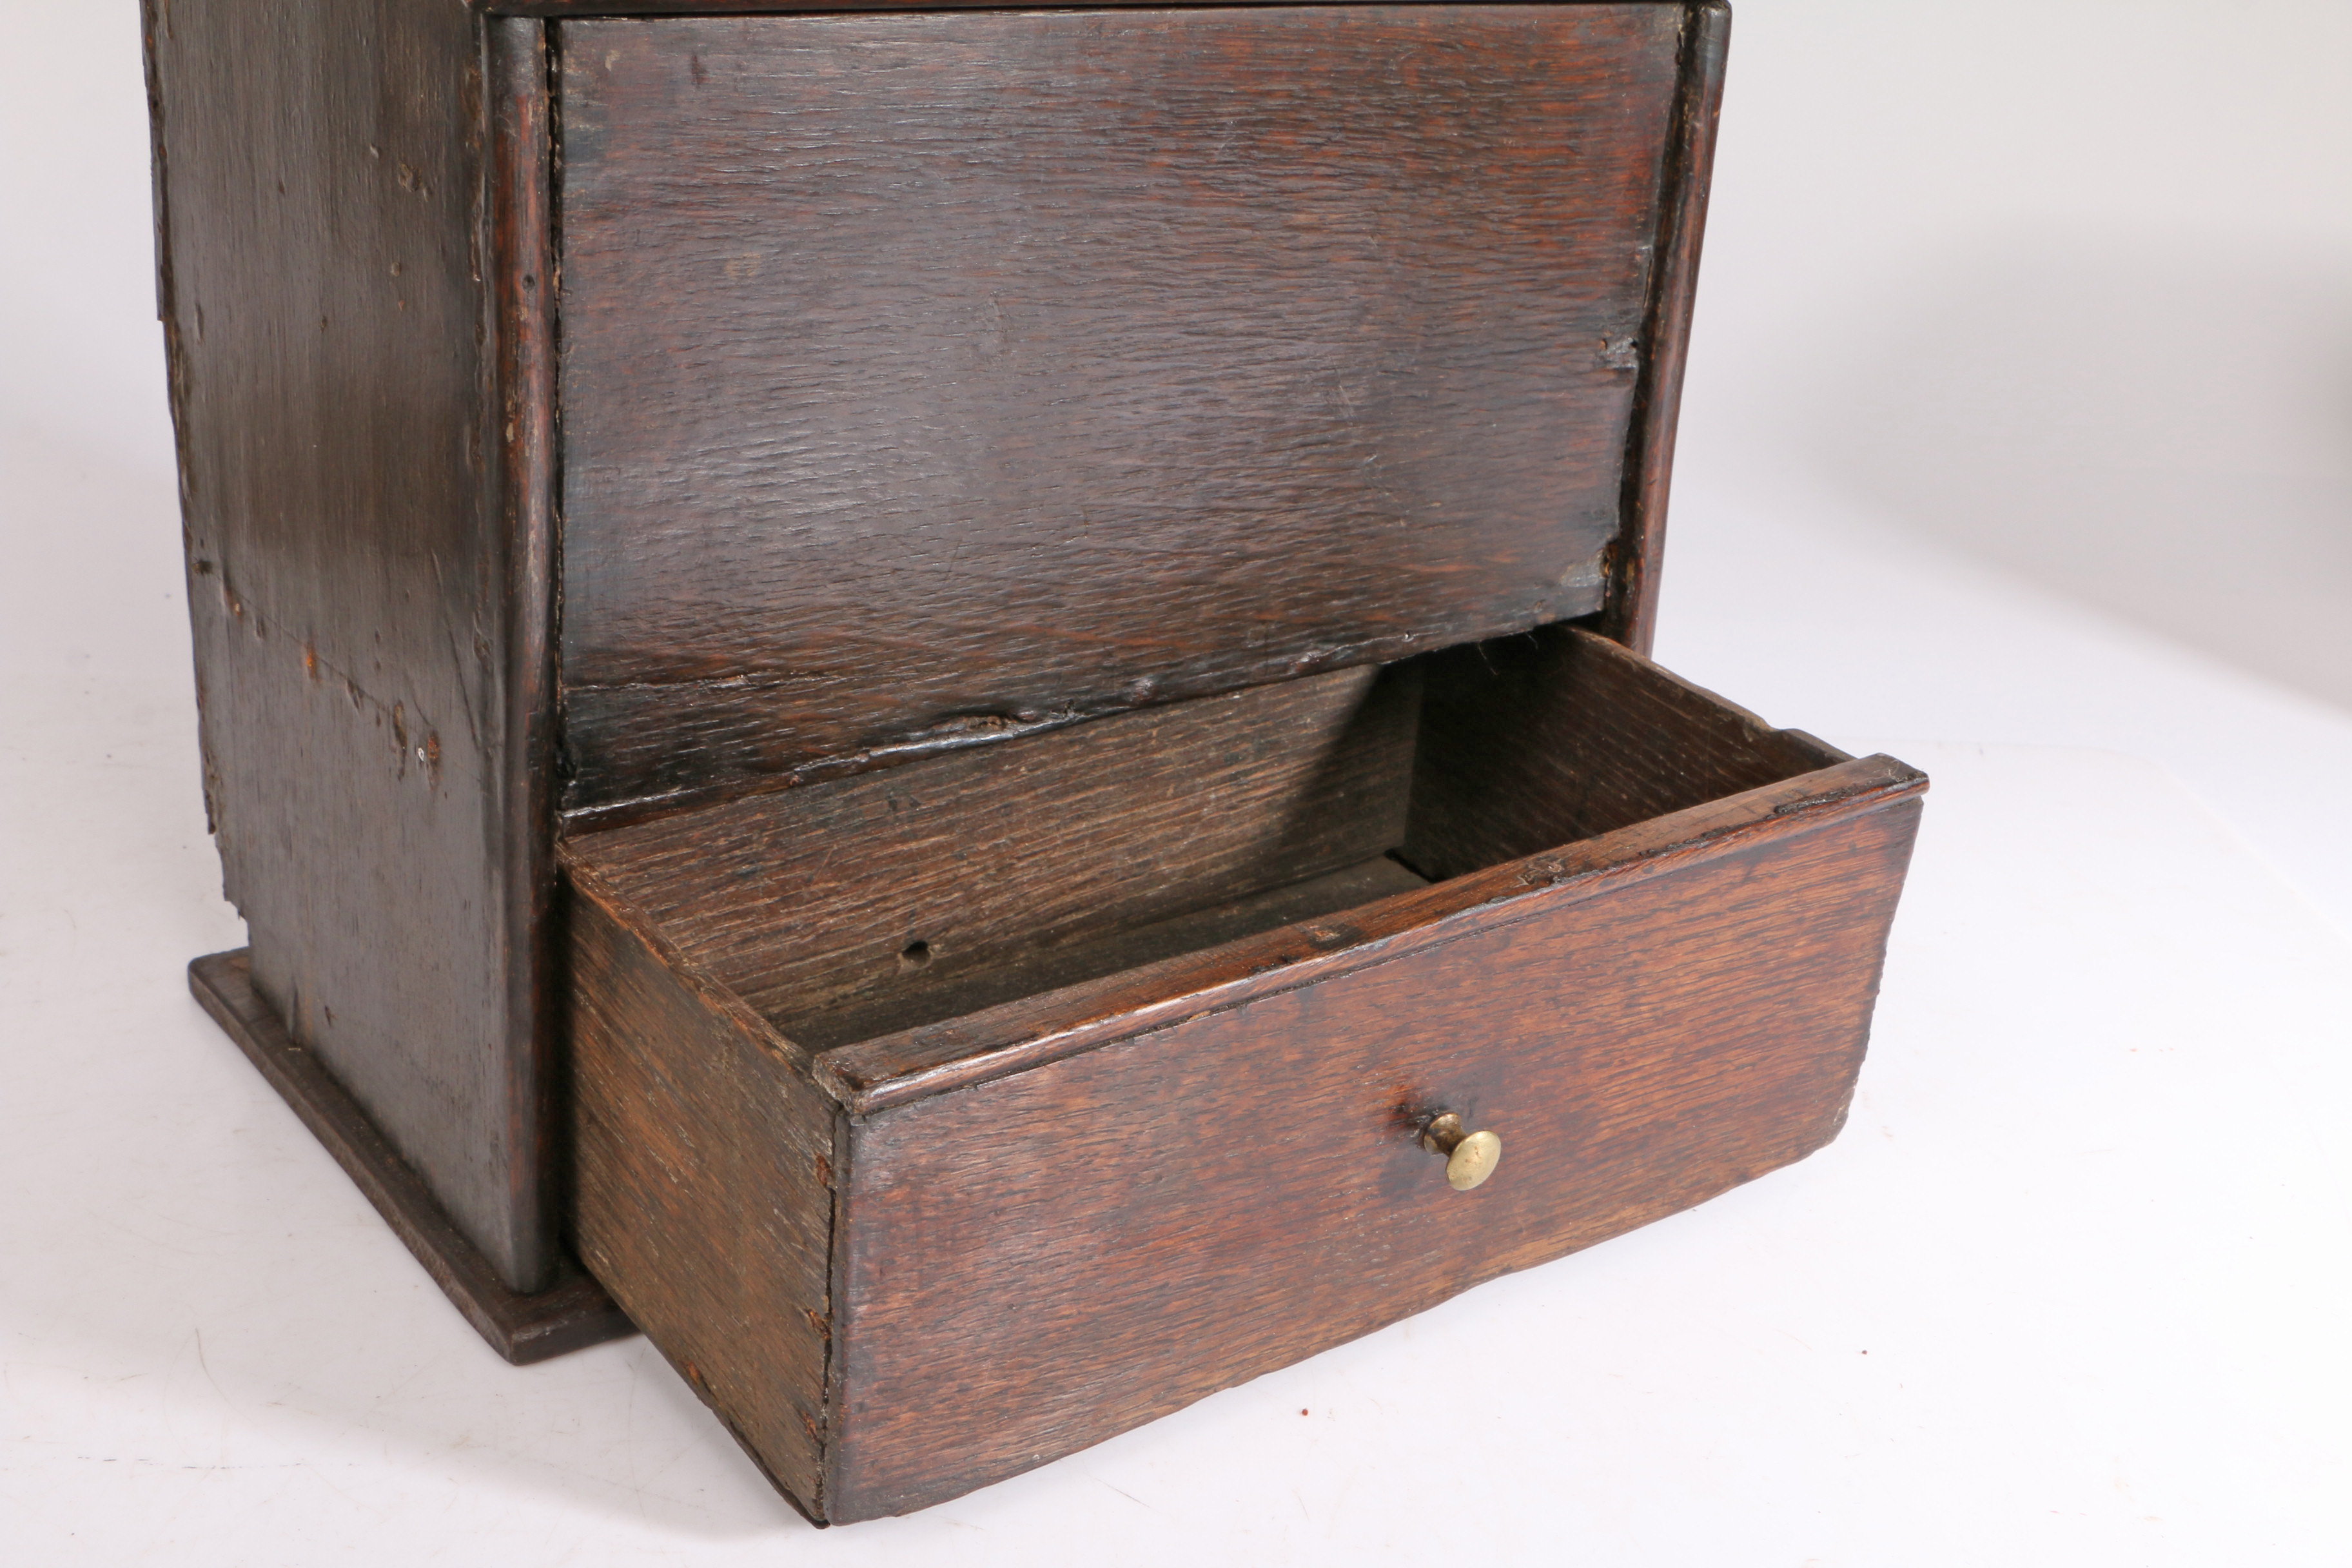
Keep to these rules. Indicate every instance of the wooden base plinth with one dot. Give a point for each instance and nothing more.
(572, 1314)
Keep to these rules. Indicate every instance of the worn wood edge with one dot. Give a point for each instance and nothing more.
(572, 1314)
(584, 820)
(1796, 745)
(153, 23)
(840, 1320)
(895, 1070)
(586, 882)
(583, 882)
(590, 819)
(522, 403)
(1631, 616)
(151, 27)
(831, 1482)
(811, 1510)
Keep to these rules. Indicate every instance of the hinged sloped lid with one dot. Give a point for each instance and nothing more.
(933, 377)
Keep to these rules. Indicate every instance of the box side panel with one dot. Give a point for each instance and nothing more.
(702, 1184)
(322, 182)
(925, 371)
(1038, 1262)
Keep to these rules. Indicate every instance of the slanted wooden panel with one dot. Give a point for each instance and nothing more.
(813, 899)
(927, 370)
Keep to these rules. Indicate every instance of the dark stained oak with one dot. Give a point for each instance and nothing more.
(1637, 1054)
(928, 371)
(1541, 740)
(1647, 962)
(701, 1158)
(1630, 614)
(902, 884)
(1075, 585)
(355, 242)
(370, 630)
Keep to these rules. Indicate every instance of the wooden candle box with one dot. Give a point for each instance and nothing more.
(961, 694)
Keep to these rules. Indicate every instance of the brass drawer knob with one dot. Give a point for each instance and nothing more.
(1470, 1157)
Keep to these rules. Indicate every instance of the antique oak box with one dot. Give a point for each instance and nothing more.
(951, 704)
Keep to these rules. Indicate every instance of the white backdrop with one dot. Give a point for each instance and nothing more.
(2016, 443)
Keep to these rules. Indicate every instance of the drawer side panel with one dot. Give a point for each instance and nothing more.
(702, 1185)
(1036, 1263)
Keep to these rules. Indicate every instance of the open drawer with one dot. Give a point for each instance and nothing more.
(945, 1119)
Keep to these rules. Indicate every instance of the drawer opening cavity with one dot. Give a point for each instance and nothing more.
(917, 894)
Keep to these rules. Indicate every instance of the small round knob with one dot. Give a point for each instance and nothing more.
(1470, 1157)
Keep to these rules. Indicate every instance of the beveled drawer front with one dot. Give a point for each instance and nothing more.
(940, 1120)
(930, 372)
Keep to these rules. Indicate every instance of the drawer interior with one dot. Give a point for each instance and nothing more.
(915, 893)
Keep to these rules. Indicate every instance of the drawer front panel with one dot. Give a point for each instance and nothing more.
(930, 372)
(1035, 1263)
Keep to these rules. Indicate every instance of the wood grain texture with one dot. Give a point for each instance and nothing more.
(1035, 970)
(1637, 1054)
(523, 257)
(1550, 745)
(1631, 616)
(1670, 1003)
(702, 1162)
(1542, 739)
(891, 890)
(929, 371)
(572, 1313)
(323, 187)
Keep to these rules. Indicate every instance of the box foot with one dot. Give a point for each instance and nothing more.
(571, 1314)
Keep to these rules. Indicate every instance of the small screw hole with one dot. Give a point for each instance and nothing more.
(914, 956)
